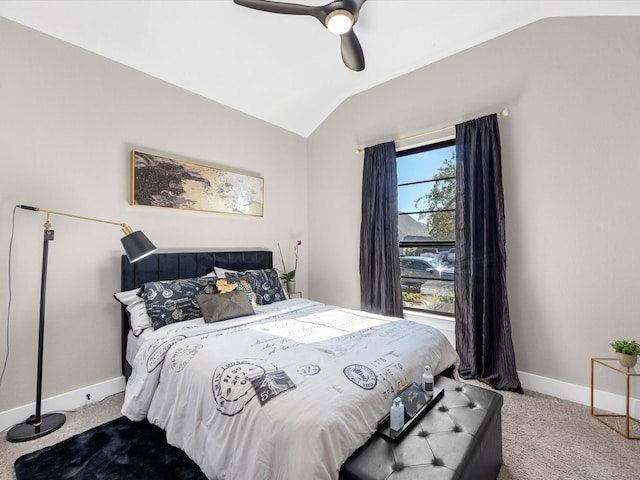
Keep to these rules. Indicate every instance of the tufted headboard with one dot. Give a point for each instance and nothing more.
(169, 266)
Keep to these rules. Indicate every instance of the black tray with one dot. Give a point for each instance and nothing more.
(409, 421)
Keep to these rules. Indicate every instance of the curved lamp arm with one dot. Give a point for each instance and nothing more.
(136, 244)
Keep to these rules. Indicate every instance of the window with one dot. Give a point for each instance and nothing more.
(426, 226)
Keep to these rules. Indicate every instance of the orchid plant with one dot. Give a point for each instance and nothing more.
(289, 276)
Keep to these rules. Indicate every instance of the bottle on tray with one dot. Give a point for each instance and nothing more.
(427, 381)
(396, 415)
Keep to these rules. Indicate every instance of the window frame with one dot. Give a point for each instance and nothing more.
(439, 244)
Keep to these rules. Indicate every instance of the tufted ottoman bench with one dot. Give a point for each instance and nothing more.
(460, 438)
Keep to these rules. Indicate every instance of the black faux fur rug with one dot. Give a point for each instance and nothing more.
(118, 450)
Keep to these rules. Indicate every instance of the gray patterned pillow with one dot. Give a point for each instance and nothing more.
(171, 301)
(223, 306)
(264, 283)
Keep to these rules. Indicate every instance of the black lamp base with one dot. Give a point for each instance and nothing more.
(23, 432)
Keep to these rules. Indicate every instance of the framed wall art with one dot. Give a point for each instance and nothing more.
(163, 182)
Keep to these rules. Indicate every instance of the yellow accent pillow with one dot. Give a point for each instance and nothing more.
(225, 286)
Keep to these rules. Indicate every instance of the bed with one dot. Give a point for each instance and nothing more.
(288, 392)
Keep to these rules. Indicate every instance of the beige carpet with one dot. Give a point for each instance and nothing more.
(544, 438)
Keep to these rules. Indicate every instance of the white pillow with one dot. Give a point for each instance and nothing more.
(139, 319)
(220, 272)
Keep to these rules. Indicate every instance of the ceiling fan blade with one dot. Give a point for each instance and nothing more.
(352, 54)
(280, 7)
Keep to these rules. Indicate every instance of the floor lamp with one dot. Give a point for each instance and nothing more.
(136, 245)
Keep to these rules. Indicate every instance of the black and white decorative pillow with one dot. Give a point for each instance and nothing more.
(264, 283)
(171, 301)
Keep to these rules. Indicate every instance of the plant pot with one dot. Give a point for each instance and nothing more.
(627, 361)
(291, 286)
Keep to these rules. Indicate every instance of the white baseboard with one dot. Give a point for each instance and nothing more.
(64, 402)
(567, 391)
(579, 394)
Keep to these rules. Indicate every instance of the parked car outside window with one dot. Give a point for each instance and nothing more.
(415, 270)
(427, 252)
(447, 257)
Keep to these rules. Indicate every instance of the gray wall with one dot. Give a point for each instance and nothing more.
(68, 120)
(570, 166)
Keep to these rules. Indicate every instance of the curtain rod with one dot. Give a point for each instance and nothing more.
(502, 113)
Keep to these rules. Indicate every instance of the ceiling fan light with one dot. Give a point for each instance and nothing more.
(339, 21)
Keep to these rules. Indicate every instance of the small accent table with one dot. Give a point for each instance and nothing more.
(295, 294)
(613, 364)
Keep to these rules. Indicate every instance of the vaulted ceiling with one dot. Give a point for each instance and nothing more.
(284, 69)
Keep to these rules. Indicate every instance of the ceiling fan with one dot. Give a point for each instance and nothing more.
(338, 17)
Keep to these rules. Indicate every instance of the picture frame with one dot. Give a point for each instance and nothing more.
(158, 181)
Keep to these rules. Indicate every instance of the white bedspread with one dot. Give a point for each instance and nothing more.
(287, 394)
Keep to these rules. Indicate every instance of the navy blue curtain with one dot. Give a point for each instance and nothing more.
(483, 326)
(380, 290)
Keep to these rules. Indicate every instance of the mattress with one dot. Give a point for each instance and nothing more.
(289, 392)
(134, 342)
